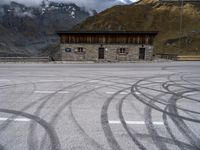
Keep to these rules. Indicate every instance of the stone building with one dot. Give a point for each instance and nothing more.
(106, 46)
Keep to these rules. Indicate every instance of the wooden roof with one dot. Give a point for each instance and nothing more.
(109, 32)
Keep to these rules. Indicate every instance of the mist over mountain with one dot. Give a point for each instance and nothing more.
(29, 31)
(98, 5)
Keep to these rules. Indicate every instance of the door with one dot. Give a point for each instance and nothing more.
(101, 53)
(142, 53)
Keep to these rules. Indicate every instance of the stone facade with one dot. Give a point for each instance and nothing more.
(112, 53)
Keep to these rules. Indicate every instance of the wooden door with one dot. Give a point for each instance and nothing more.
(142, 53)
(101, 53)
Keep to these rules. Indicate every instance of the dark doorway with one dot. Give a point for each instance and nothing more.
(142, 53)
(101, 53)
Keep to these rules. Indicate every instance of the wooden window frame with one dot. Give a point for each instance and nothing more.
(123, 51)
(68, 50)
(80, 50)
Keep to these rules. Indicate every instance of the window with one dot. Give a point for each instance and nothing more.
(122, 51)
(80, 50)
(68, 50)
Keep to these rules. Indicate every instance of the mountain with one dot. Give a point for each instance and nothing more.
(153, 15)
(30, 31)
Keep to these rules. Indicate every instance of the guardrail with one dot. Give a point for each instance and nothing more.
(188, 58)
(168, 56)
(24, 59)
(179, 57)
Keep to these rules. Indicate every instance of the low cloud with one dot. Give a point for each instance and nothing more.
(20, 13)
(98, 5)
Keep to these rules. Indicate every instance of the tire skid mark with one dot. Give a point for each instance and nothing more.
(172, 106)
(32, 142)
(55, 143)
(169, 92)
(166, 103)
(165, 140)
(166, 87)
(183, 128)
(105, 124)
(44, 98)
(54, 119)
(191, 83)
(151, 129)
(172, 113)
(92, 141)
(156, 136)
(5, 124)
(39, 110)
(135, 89)
(181, 145)
(134, 139)
(82, 131)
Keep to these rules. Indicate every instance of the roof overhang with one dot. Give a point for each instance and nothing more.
(108, 32)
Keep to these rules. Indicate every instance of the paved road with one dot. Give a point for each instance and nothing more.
(100, 106)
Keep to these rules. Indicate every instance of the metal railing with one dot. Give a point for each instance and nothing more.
(168, 56)
(24, 59)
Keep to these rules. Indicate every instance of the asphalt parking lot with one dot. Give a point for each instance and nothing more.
(144, 106)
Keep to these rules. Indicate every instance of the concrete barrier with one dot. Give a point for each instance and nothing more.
(188, 58)
(24, 59)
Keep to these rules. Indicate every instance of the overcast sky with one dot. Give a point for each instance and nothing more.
(98, 5)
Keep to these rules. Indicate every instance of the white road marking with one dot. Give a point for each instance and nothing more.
(31, 75)
(16, 119)
(45, 75)
(51, 80)
(122, 93)
(134, 122)
(51, 92)
(110, 92)
(187, 94)
(137, 93)
(94, 81)
(4, 80)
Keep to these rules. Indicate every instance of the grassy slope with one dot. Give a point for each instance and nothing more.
(143, 16)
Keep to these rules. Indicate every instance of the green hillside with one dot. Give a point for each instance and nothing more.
(153, 15)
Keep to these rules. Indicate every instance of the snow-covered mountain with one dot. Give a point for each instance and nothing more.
(27, 30)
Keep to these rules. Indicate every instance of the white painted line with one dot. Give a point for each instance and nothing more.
(51, 92)
(124, 93)
(16, 119)
(44, 92)
(4, 80)
(110, 92)
(63, 92)
(51, 80)
(134, 89)
(35, 75)
(134, 122)
(45, 75)
(187, 94)
(137, 93)
(93, 81)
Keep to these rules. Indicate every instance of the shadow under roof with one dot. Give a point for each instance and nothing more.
(108, 32)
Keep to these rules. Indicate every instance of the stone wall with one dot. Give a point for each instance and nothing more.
(90, 52)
